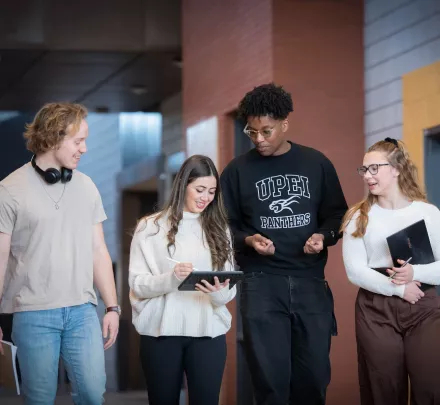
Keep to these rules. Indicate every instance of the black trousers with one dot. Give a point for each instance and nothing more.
(165, 360)
(287, 327)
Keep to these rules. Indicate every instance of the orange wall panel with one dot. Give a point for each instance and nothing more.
(421, 109)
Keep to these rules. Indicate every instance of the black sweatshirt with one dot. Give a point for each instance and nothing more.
(285, 198)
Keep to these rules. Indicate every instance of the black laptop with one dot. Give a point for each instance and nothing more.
(412, 241)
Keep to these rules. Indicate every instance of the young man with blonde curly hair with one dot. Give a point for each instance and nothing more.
(52, 252)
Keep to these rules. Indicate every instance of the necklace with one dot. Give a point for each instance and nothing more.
(57, 207)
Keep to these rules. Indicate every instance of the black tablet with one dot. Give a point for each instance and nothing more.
(189, 284)
(412, 241)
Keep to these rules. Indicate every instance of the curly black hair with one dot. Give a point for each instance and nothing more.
(266, 100)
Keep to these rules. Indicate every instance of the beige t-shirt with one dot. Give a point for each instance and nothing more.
(51, 258)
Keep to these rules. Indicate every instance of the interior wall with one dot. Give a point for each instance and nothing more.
(421, 109)
(226, 48)
(318, 57)
(13, 153)
(171, 110)
(102, 163)
(134, 205)
(226, 51)
(400, 37)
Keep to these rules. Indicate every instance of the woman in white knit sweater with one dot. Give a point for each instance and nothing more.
(397, 320)
(183, 332)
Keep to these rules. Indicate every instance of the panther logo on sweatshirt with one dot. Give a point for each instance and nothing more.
(282, 192)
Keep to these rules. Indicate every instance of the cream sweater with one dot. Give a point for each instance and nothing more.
(371, 251)
(158, 307)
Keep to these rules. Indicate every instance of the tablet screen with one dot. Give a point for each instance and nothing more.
(197, 276)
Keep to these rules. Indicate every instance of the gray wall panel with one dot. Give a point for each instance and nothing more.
(399, 36)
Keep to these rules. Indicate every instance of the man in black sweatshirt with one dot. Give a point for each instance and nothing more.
(285, 205)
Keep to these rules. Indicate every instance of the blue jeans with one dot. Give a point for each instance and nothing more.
(75, 334)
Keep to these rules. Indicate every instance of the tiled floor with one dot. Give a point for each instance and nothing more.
(131, 398)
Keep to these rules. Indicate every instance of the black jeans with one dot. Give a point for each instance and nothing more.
(165, 359)
(287, 327)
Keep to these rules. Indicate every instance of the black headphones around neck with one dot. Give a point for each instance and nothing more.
(52, 175)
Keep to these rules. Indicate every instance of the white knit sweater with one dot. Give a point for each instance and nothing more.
(371, 251)
(158, 307)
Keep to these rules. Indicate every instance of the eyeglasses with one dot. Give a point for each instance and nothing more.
(373, 169)
(253, 134)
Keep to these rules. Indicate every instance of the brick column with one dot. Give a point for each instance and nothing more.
(318, 57)
(314, 49)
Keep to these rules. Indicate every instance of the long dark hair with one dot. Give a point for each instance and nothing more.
(213, 218)
(409, 185)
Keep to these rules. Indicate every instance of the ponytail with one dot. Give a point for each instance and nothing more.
(363, 208)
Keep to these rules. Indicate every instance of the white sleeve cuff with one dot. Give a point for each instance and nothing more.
(416, 275)
(175, 281)
(218, 298)
(399, 290)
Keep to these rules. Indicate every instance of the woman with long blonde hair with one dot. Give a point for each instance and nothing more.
(397, 322)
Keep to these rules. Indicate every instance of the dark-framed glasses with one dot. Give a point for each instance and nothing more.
(253, 133)
(373, 169)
